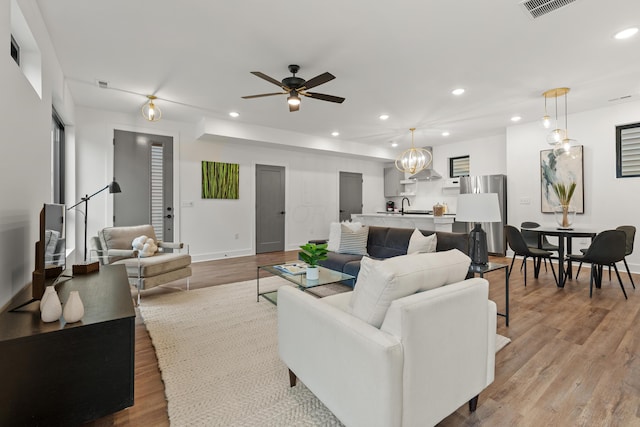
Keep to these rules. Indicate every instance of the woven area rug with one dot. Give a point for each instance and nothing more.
(218, 354)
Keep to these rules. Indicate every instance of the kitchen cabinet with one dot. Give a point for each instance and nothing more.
(392, 185)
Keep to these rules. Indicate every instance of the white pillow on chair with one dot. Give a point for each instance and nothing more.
(382, 281)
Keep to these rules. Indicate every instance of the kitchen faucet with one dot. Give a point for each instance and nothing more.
(408, 204)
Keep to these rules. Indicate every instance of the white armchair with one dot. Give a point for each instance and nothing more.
(113, 245)
(434, 352)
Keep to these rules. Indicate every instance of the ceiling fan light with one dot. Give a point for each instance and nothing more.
(293, 99)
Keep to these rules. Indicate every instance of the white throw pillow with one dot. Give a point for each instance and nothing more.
(382, 281)
(421, 243)
(353, 241)
(335, 231)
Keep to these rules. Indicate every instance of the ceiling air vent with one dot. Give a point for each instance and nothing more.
(537, 8)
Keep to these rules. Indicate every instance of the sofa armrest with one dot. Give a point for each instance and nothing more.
(448, 336)
(352, 367)
(170, 245)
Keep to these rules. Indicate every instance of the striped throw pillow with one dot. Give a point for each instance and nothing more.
(353, 241)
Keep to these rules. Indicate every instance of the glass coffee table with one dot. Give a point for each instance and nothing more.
(326, 277)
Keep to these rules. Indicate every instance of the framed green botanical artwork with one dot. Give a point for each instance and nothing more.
(220, 180)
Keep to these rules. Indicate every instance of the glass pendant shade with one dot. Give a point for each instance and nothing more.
(150, 111)
(546, 121)
(414, 159)
(556, 136)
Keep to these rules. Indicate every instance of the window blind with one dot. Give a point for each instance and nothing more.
(157, 191)
(628, 145)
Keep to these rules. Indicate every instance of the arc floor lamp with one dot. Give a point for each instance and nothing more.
(113, 187)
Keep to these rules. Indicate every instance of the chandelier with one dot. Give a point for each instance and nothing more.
(414, 159)
(558, 137)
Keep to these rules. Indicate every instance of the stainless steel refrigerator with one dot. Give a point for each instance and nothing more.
(496, 241)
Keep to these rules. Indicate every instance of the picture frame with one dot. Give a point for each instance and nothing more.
(220, 180)
(561, 168)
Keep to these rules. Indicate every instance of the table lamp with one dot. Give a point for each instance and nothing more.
(478, 208)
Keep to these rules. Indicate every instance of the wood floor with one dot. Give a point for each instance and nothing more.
(573, 361)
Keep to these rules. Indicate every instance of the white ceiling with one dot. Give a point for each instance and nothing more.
(402, 58)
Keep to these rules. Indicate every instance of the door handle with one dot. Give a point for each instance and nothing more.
(282, 213)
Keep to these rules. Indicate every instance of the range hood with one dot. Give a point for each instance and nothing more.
(427, 174)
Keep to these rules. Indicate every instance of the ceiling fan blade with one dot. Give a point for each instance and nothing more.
(318, 80)
(323, 97)
(264, 94)
(269, 79)
(293, 108)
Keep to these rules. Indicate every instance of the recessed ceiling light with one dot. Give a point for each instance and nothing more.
(394, 144)
(516, 118)
(625, 34)
(234, 114)
(445, 133)
(335, 133)
(384, 116)
(458, 91)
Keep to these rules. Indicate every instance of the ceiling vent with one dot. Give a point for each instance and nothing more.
(537, 8)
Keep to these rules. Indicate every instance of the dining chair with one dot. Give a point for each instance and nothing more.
(630, 235)
(519, 246)
(607, 248)
(531, 237)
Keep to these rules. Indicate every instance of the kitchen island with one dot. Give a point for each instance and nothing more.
(408, 220)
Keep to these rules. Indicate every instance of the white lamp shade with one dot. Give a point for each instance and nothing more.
(478, 207)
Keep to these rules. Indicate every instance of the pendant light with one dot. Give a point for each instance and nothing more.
(414, 159)
(150, 111)
(546, 120)
(557, 135)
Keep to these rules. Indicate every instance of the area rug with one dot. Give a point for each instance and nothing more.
(218, 355)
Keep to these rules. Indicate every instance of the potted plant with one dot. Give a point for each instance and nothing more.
(564, 193)
(312, 253)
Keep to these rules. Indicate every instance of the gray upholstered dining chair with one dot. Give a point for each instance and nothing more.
(520, 247)
(630, 235)
(531, 237)
(607, 248)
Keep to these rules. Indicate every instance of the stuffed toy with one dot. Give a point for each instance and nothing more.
(145, 246)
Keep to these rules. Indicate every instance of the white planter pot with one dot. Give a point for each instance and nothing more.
(73, 309)
(313, 273)
(50, 307)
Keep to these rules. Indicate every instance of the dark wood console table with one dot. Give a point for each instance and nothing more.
(57, 374)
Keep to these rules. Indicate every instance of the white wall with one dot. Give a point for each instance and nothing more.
(25, 166)
(222, 228)
(609, 202)
(211, 225)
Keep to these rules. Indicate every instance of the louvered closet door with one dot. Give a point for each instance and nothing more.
(143, 166)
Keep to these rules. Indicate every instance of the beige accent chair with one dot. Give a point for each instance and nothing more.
(113, 245)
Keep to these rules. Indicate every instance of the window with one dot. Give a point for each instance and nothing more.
(458, 166)
(628, 150)
(15, 50)
(57, 158)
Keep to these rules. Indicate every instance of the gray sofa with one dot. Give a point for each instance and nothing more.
(387, 242)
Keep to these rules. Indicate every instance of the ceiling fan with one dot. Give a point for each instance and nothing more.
(296, 86)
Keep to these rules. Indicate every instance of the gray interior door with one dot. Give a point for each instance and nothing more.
(350, 195)
(270, 213)
(143, 166)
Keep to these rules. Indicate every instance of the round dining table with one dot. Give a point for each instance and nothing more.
(563, 234)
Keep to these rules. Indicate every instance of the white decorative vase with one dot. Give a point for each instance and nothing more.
(313, 273)
(50, 307)
(73, 309)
